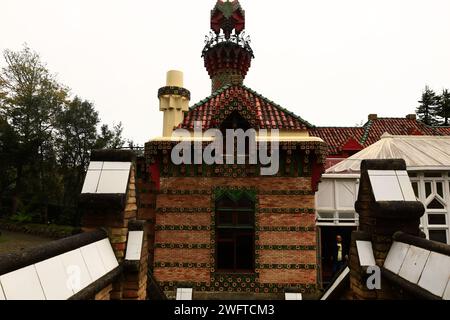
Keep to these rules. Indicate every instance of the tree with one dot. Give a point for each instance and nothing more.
(443, 106)
(9, 150)
(427, 108)
(45, 137)
(30, 100)
(76, 136)
(110, 138)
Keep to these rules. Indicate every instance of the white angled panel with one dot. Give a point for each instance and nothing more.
(402, 173)
(446, 295)
(325, 195)
(436, 274)
(405, 185)
(113, 182)
(107, 255)
(54, 279)
(365, 253)
(346, 194)
(76, 270)
(95, 165)
(386, 188)
(396, 256)
(381, 172)
(187, 294)
(336, 283)
(414, 263)
(2, 295)
(179, 294)
(293, 296)
(94, 263)
(184, 294)
(123, 166)
(91, 181)
(134, 245)
(22, 284)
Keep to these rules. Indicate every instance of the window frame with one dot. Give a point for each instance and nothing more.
(237, 230)
(421, 179)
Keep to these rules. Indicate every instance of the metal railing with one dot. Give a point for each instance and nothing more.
(240, 39)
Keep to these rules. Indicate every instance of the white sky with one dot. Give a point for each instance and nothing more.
(331, 62)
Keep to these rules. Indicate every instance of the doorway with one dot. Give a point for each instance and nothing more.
(327, 242)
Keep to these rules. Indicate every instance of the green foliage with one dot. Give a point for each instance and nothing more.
(21, 217)
(426, 111)
(45, 139)
(443, 107)
(110, 138)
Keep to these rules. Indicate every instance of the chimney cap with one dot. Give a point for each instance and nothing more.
(175, 78)
(373, 116)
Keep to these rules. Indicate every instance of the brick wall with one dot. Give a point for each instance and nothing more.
(133, 283)
(105, 293)
(184, 246)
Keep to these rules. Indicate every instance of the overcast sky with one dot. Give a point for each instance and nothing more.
(330, 61)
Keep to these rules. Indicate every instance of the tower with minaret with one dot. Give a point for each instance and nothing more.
(227, 231)
(227, 53)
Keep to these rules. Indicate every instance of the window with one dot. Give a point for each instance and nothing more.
(235, 232)
(434, 192)
(415, 187)
(438, 235)
(335, 202)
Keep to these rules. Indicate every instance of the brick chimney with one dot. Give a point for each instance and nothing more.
(379, 221)
(373, 117)
(411, 117)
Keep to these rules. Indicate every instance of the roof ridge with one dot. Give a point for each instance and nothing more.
(276, 105)
(365, 136)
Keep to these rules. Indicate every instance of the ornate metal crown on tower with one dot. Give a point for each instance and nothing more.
(227, 52)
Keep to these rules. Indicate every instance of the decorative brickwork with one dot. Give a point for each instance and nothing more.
(285, 238)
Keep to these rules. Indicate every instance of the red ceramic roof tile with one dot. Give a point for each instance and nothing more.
(395, 126)
(337, 137)
(372, 131)
(267, 114)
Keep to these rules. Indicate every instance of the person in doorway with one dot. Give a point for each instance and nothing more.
(340, 256)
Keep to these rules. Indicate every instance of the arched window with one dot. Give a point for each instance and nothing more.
(235, 234)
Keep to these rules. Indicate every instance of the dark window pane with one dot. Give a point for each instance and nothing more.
(245, 203)
(225, 202)
(225, 234)
(433, 174)
(427, 188)
(244, 252)
(416, 189)
(245, 218)
(235, 234)
(224, 218)
(435, 204)
(436, 219)
(438, 235)
(225, 255)
(439, 188)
